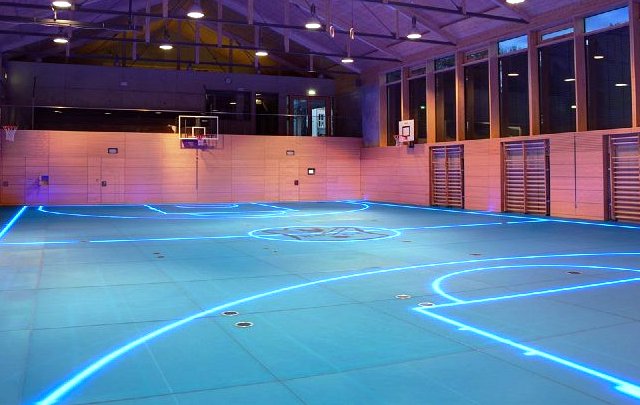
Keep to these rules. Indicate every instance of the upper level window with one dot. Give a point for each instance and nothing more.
(607, 19)
(477, 55)
(547, 36)
(444, 63)
(512, 45)
(417, 71)
(394, 76)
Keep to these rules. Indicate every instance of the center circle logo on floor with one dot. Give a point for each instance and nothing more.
(324, 233)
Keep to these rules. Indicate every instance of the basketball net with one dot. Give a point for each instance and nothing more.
(10, 132)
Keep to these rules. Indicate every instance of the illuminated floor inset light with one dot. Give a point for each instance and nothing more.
(230, 313)
(244, 324)
(403, 296)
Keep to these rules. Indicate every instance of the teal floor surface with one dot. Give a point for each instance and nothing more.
(347, 303)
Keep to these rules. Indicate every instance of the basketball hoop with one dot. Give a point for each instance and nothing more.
(10, 132)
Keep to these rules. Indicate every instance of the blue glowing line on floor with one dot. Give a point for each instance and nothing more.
(536, 293)
(77, 379)
(155, 209)
(168, 239)
(621, 385)
(277, 207)
(200, 206)
(493, 214)
(12, 222)
(436, 285)
(204, 215)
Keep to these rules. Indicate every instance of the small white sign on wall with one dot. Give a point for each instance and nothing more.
(405, 131)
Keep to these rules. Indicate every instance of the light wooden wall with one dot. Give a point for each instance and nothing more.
(153, 168)
(577, 174)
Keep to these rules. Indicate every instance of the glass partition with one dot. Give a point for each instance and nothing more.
(446, 106)
(418, 106)
(514, 95)
(476, 93)
(557, 88)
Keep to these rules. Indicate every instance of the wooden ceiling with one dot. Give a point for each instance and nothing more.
(128, 32)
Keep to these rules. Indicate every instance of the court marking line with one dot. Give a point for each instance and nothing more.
(12, 222)
(92, 368)
(436, 285)
(624, 386)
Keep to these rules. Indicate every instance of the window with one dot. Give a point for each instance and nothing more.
(393, 111)
(606, 20)
(512, 45)
(556, 34)
(267, 118)
(514, 95)
(231, 105)
(474, 56)
(446, 106)
(394, 76)
(418, 106)
(417, 71)
(557, 88)
(608, 79)
(476, 93)
(444, 63)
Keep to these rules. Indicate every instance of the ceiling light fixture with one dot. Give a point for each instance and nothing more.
(313, 23)
(513, 74)
(196, 10)
(570, 79)
(347, 59)
(598, 57)
(621, 84)
(61, 4)
(515, 1)
(166, 41)
(262, 52)
(61, 38)
(414, 33)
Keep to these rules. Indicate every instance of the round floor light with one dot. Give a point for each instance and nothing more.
(244, 324)
(230, 313)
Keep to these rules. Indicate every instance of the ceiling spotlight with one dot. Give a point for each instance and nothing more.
(515, 1)
(621, 84)
(313, 23)
(60, 38)
(166, 41)
(414, 33)
(61, 4)
(311, 92)
(195, 11)
(262, 52)
(347, 59)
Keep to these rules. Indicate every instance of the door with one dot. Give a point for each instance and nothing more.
(309, 116)
(447, 176)
(112, 181)
(525, 179)
(624, 178)
(288, 187)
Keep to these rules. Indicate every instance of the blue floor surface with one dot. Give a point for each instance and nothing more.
(350, 303)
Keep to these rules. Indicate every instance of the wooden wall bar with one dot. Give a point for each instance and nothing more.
(577, 174)
(153, 168)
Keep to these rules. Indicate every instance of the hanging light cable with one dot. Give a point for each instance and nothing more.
(314, 22)
(414, 33)
(196, 10)
(166, 39)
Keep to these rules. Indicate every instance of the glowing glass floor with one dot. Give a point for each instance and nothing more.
(346, 302)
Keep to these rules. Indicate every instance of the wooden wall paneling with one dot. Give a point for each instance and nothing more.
(312, 153)
(177, 171)
(248, 162)
(590, 177)
(343, 168)
(431, 103)
(477, 162)
(276, 151)
(562, 175)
